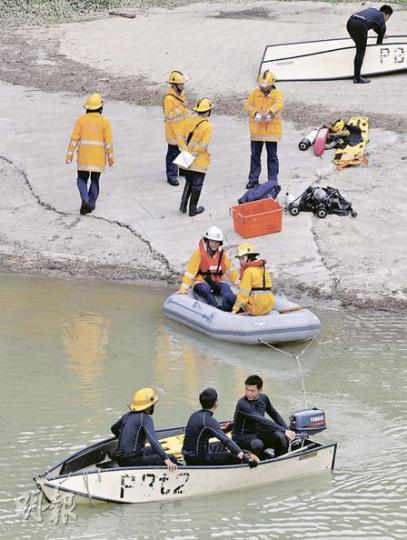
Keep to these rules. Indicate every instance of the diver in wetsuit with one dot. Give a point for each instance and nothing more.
(358, 26)
(200, 428)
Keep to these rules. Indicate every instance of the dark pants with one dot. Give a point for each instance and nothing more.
(171, 169)
(255, 161)
(217, 455)
(88, 197)
(257, 442)
(222, 289)
(196, 179)
(149, 457)
(357, 29)
(263, 191)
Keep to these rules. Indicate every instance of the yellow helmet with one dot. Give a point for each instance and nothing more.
(176, 77)
(338, 126)
(246, 249)
(143, 399)
(93, 102)
(203, 105)
(266, 78)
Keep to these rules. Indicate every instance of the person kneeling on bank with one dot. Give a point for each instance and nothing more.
(254, 296)
(134, 428)
(206, 270)
(201, 427)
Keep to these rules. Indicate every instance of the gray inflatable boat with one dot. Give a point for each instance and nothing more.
(286, 322)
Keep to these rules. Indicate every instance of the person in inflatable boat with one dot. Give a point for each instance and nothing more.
(254, 296)
(206, 270)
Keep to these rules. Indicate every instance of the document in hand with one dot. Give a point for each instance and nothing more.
(184, 159)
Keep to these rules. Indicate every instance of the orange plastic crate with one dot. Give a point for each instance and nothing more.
(257, 218)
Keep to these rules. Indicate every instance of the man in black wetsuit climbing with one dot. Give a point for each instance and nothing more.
(358, 26)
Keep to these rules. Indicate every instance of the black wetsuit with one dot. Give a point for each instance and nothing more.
(253, 431)
(197, 450)
(133, 429)
(358, 26)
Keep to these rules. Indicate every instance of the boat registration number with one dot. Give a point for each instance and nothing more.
(396, 55)
(160, 482)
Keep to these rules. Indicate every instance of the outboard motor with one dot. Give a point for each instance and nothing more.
(307, 422)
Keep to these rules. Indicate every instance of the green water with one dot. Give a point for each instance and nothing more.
(72, 353)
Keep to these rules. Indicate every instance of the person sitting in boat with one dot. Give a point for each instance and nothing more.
(201, 427)
(206, 270)
(254, 296)
(252, 431)
(134, 428)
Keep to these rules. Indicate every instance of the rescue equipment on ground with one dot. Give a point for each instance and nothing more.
(309, 140)
(331, 59)
(352, 149)
(321, 201)
(267, 190)
(320, 141)
(257, 218)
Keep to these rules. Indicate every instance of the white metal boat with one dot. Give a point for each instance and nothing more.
(286, 322)
(332, 59)
(91, 477)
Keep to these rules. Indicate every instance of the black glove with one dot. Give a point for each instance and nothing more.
(249, 460)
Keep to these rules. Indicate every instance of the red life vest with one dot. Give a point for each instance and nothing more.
(212, 267)
(256, 264)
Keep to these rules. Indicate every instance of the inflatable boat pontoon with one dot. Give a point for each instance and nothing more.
(292, 324)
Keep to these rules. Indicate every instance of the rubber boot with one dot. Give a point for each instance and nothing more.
(185, 197)
(193, 209)
(360, 80)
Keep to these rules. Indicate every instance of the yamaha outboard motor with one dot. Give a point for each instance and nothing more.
(307, 422)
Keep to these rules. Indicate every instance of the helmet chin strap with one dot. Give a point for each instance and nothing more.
(178, 88)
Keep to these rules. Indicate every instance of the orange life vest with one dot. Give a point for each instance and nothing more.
(211, 267)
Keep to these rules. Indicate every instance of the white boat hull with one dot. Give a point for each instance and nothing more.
(152, 484)
(274, 328)
(333, 59)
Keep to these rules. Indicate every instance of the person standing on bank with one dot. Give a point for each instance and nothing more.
(264, 106)
(134, 428)
(252, 430)
(176, 111)
(197, 136)
(201, 427)
(358, 26)
(92, 138)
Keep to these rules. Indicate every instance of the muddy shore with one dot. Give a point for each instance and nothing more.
(358, 261)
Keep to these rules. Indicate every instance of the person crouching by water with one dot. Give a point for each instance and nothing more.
(254, 296)
(206, 270)
(252, 431)
(200, 428)
(134, 428)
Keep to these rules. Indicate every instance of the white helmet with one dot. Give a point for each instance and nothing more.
(214, 233)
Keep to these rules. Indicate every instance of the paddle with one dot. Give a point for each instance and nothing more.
(291, 309)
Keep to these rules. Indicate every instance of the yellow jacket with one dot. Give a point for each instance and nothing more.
(92, 138)
(192, 275)
(176, 111)
(260, 302)
(201, 130)
(257, 102)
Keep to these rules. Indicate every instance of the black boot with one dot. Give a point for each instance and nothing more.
(193, 209)
(185, 197)
(181, 172)
(360, 80)
(251, 184)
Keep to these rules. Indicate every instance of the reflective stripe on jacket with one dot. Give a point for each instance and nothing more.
(201, 261)
(198, 142)
(255, 302)
(257, 102)
(176, 111)
(92, 139)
